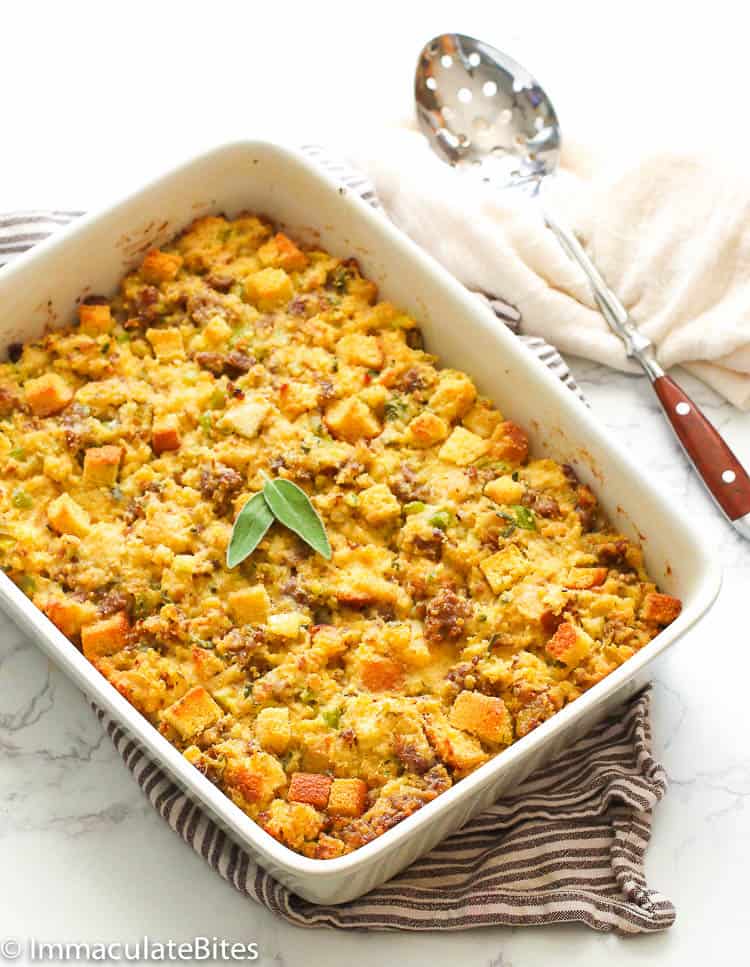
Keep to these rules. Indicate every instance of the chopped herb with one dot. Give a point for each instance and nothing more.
(519, 517)
(514, 475)
(487, 463)
(240, 334)
(123, 337)
(105, 347)
(523, 517)
(27, 584)
(351, 499)
(394, 409)
(442, 519)
(248, 689)
(117, 493)
(206, 422)
(339, 279)
(202, 643)
(140, 607)
(307, 695)
(21, 499)
(413, 507)
(331, 717)
(18, 454)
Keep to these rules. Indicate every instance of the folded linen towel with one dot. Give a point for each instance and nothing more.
(567, 847)
(670, 233)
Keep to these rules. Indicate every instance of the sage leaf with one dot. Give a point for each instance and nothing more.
(291, 506)
(249, 529)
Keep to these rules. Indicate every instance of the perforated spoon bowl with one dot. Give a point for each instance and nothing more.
(480, 109)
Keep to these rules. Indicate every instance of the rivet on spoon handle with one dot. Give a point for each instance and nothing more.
(721, 471)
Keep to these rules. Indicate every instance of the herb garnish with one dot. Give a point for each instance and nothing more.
(249, 529)
(285, 502)
(519, 516)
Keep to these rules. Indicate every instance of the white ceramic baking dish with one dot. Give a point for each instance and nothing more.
(41, 289)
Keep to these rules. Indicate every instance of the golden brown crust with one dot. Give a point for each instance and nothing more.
(473, 590)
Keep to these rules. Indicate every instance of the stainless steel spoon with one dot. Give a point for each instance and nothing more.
(481, 109)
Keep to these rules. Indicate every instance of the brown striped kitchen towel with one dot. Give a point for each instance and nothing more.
(568, 846)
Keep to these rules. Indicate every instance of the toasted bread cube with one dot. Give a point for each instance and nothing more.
(347, 797)
(105, 637)
(247, 418)
(68, 517)
(505, 490)
(70, 615)
(287, 624)
(462, 447)
(408, 644)
(101, 465)
(192, 713)
(454, 395)
(94, 319)
(249, 606)
(583, 578)
(482, 419)
(531, 716)
(504, 568)
(327, 847)
(484, 716)
(359, 349)
(282, 253)
(272, 729)
(310, 787)
(292, 823)
(569, 645)
(9, 400)
(48, 394)
(206, 663)
(379, 674)
(296, 398)
(257, 779)
(165, 435)
(351, 419)
(378, 505)
(662, 609)
(216, 331)
(269, 289)
(459, 750)
(160, 266)
(167, 344)
(509, 442)
(428, 429)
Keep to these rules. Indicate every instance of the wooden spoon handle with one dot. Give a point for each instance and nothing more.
(722, 473)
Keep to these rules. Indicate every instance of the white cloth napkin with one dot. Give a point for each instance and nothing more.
(669, 232)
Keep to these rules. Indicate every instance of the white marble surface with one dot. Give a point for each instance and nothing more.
(82, 856)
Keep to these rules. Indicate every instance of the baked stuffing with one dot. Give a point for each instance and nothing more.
(472, 592)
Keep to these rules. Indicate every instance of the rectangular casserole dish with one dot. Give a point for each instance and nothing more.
(41, 290)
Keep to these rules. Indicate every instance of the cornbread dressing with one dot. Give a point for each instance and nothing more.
(472, 591)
